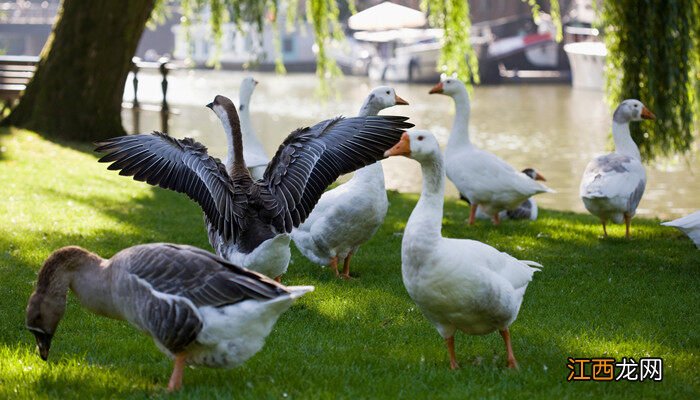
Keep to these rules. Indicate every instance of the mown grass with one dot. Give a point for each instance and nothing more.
(358, 339)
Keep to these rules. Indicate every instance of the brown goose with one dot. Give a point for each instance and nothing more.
(249, 221)
(199, 308)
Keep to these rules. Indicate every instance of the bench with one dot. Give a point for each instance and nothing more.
(17, 71)
(15, 74)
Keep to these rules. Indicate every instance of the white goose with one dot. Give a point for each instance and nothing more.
(198, 308)
(350, 214)
(458, 284)
(613, 184)
(526, 210)
(487, 181)
(249, 221)
(690, 225)
(253, 151)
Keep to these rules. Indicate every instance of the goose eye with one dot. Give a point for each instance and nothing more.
(387, 92)
(420, 138)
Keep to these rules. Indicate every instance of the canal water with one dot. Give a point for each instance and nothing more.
(553, 128)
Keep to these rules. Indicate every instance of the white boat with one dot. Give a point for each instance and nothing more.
(587, 61)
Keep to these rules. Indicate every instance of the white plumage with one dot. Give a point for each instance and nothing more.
(489, 183)
(350, 214)
(458, 284)
(690, 225)
(613, 184)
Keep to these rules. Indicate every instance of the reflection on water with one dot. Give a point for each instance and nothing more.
(552, 128)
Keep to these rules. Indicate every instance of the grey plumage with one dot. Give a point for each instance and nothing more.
(186, 278)
(238, 208)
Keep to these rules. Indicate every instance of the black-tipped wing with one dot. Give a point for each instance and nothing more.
(163, 281)
(183, 166)
(310, 159)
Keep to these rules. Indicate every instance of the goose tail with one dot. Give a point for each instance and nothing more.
(298, 291)
(537, 266)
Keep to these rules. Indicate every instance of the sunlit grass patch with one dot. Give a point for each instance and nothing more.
(359, 339)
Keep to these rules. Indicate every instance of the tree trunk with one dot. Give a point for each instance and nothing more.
(77, 90)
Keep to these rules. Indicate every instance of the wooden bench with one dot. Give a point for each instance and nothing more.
(15, 74)
(17, 71)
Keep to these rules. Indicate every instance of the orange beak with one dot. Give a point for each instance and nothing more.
(402, 148)
(646, 114)
(436, 89)
(539, 177)
(400, 101)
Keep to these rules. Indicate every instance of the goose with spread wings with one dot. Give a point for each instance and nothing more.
(249, 221)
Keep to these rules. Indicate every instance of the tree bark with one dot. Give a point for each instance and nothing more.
(76, 92)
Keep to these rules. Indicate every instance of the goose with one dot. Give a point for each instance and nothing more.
(489, 183)
(690, 225)
(613, 184)
(350, 214)
(198, 308)
(249, 221)
(253, 151)
(526, 210)
(458, 284)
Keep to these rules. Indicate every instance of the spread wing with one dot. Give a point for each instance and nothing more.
(166, 281)
(312, 158)
(183, 166)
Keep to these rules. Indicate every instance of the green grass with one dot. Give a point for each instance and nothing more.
(358, 339)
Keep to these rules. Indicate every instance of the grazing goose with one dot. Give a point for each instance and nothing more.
(350, 214)
(458, 284)
(253, 151)
(690, 225)
(249, 222)
(526, 210)
(613, 184)
(489, 183)
(199, 308)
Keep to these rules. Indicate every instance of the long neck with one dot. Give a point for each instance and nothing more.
(244, 114)
(81, 271)
(235, 162)
(426, 218)
(460, 127)
(369, 107)
(623, 140)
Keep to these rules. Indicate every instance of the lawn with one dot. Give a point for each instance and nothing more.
(359, 339)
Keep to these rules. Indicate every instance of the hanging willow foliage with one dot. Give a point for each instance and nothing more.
(654, 56)
(456, 57)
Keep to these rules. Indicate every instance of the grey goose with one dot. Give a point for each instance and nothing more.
(198, 308)
(249, 221)
(613, 184)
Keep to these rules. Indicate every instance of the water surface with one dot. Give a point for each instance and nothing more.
(553, 128)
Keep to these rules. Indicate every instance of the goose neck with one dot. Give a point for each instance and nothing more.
(623, 140)
(232, 126)
(426, 218)
(460, 127)
(81, 271)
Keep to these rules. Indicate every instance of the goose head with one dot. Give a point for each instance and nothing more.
(417, 144)
(380, 98)
(631, 110)
(223, 107)
(246, 91)
(533, 174)
(48, 302)
(44, 312)
(449, 86)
